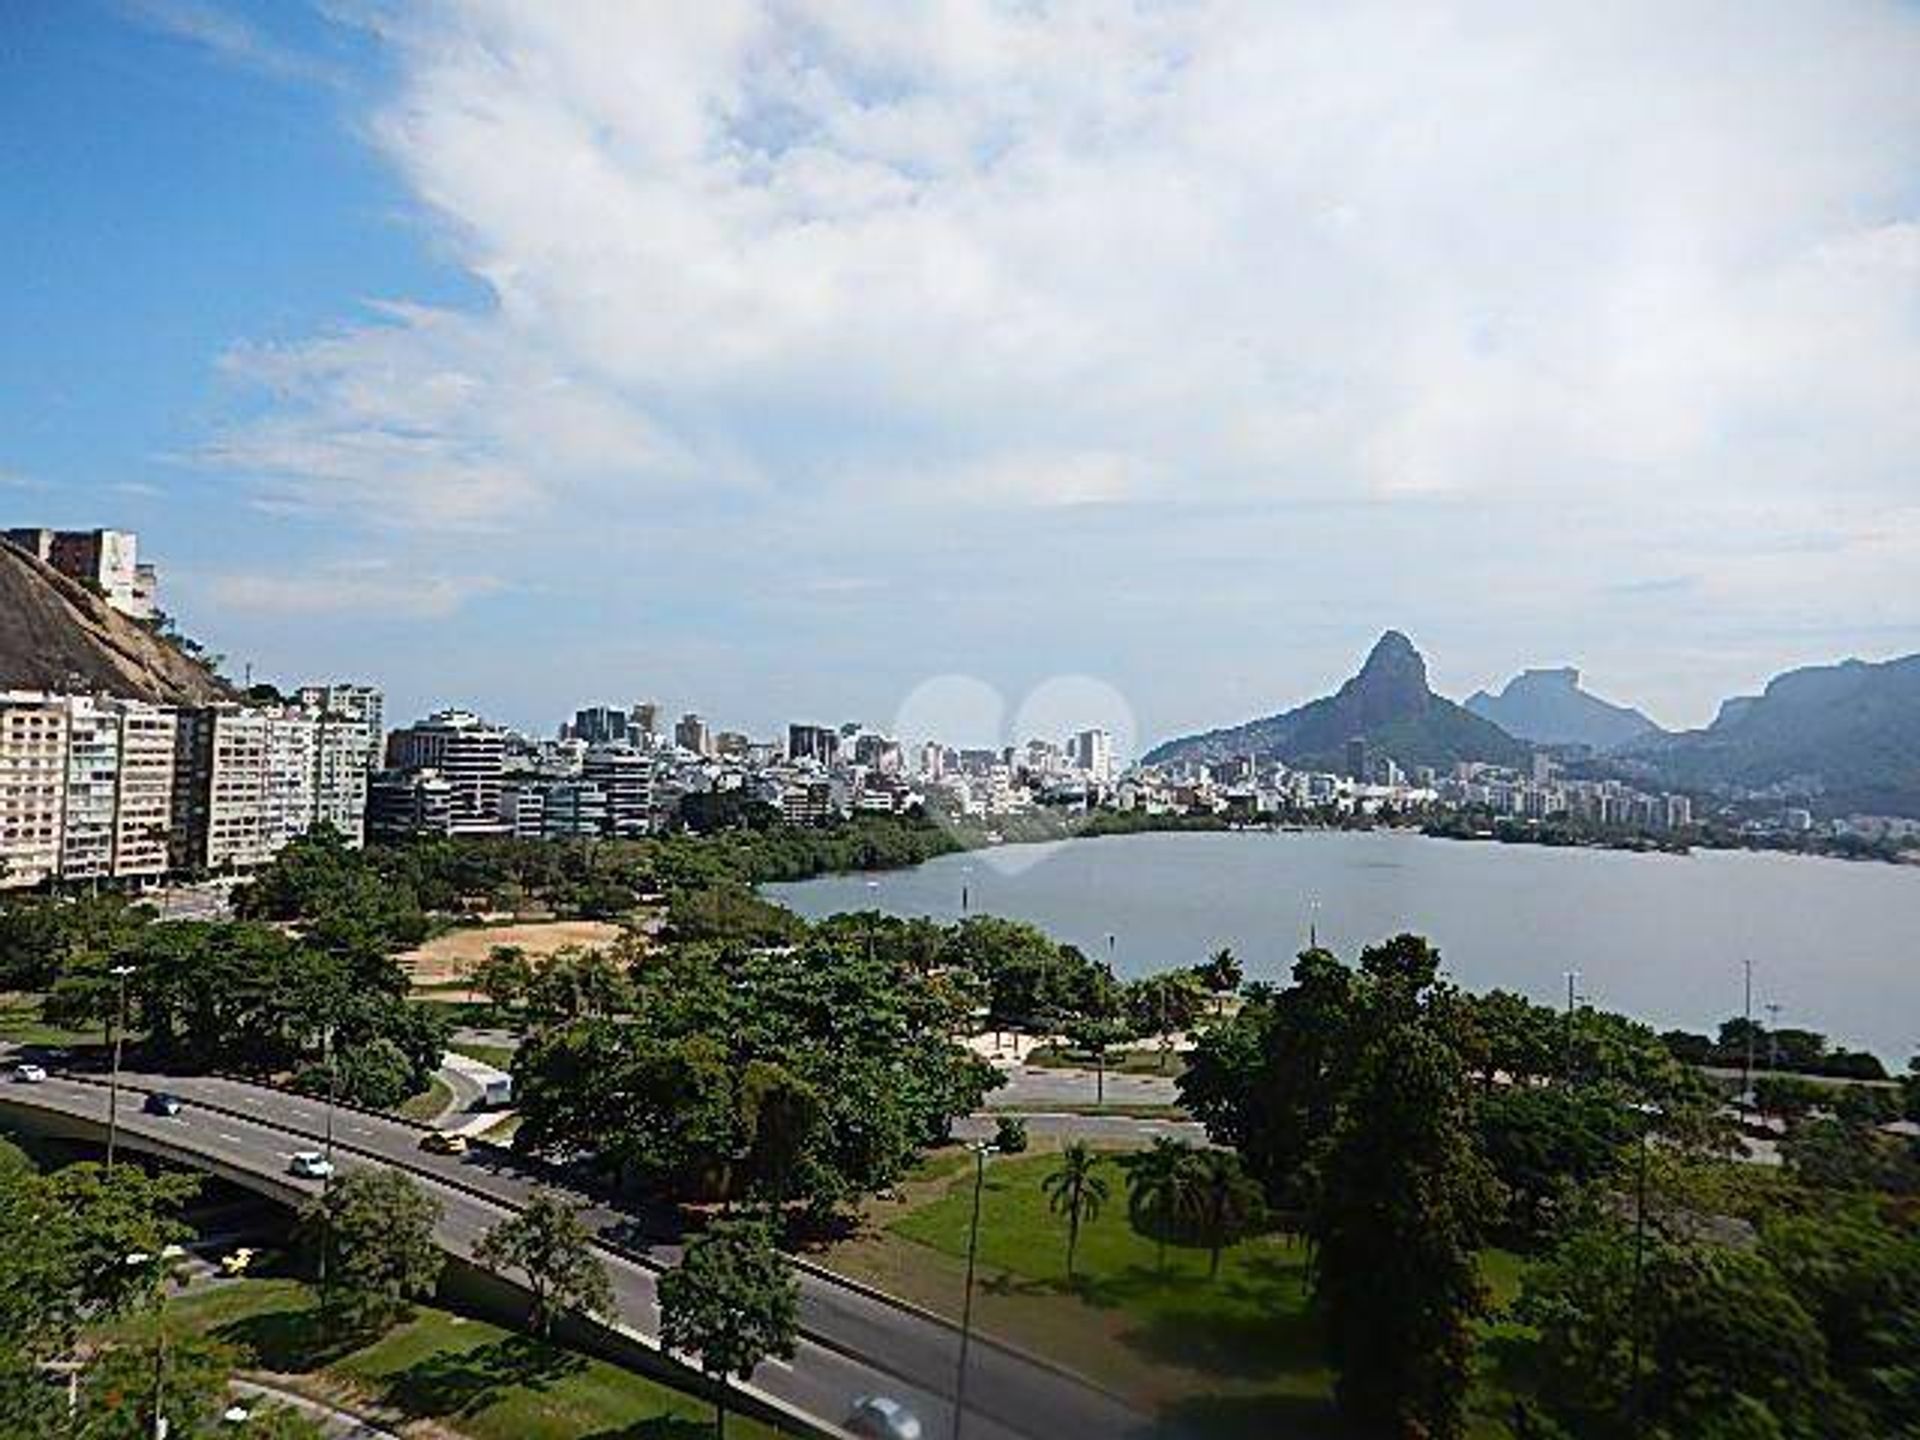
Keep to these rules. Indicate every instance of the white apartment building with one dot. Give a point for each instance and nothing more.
(92, 781)
(364, 703)
(465, 752)
(625, 777)
(143, 810)
(33, 765)
(343, 750)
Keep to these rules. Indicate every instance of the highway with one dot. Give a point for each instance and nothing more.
(853, 1343)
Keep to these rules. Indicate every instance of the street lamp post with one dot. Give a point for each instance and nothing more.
(1573, 980)
(120, 974)
(326, 1172)
(980, 1153)
(1313, 924)
(1647, 1114)
(1746, 1071)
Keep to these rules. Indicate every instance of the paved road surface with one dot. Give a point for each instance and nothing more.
(854, 1344)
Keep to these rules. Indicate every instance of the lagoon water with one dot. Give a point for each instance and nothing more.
(1662, 937)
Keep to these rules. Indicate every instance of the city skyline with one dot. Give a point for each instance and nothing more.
(523, 365)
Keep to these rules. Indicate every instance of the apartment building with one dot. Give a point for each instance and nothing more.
(106, 561)
(469, 755)
(143, 809)
(346, 701)
(223, 782)
(625, 778)
(33, 765)
(92, 786)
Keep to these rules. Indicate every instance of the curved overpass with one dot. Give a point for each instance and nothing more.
(854, 1342)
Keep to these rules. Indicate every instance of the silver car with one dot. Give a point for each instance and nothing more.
(880, 1417)
(29, 1073)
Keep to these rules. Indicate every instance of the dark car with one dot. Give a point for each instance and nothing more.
(161, 1103)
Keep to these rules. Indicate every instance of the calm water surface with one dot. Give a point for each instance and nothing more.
(1835, 944)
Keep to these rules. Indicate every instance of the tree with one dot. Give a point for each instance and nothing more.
(733, 1302)
(1222, 973)
(1718, 1333)
(1267, 1082)
(1397, 1225)
(504, 977)
(1096, 1035)
(1075, 1189)
(1160, 1189)
(547, 1244)
(1226, 1203)
(377, 1229)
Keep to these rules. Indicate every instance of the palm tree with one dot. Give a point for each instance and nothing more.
(1226, 1202)
(1076, 1190)
(1160, 1188)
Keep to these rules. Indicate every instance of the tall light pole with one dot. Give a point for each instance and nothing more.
(980, 1153)
(1746, 1072)
(1573, 980)
(1647, 1114)
(120, 974)
(326, 1173)
(1313, 924)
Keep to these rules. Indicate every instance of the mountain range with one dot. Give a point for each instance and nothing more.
(55, 634)
(1388, 703)
(1548, 707)
(1843, 738)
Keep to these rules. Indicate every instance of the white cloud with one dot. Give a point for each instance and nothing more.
(347, 590)
(1616, 283)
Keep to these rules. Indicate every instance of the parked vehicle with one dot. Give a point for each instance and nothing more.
(439, 1142)
(29, 1073)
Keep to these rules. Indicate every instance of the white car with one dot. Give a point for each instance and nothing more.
(29, 1073)
(310, 1165)
(880, 1417)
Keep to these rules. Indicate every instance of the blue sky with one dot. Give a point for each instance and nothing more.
(857, 360)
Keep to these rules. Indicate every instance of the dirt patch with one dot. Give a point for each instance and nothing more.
(447, 958)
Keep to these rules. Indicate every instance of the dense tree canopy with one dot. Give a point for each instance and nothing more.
(808, 1074)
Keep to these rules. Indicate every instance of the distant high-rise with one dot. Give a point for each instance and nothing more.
(692, 734)
(820, 743)
(645, 717)
(601, 725)
(1092, 753)
(1357, 759)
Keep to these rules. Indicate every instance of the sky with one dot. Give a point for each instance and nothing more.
(986, 365)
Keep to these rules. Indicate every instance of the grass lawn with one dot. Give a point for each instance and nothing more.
(1119, 1062)
(452, 1373)
(498, 1056)
(21, 1024)
(1234, 1356)
(428, 1105)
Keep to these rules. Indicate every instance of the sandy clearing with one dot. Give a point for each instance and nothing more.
(448, 957)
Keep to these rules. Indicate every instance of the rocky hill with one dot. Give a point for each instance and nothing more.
(1843, 738)
(1388, 703)
(1548, 707)
(55, 634)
